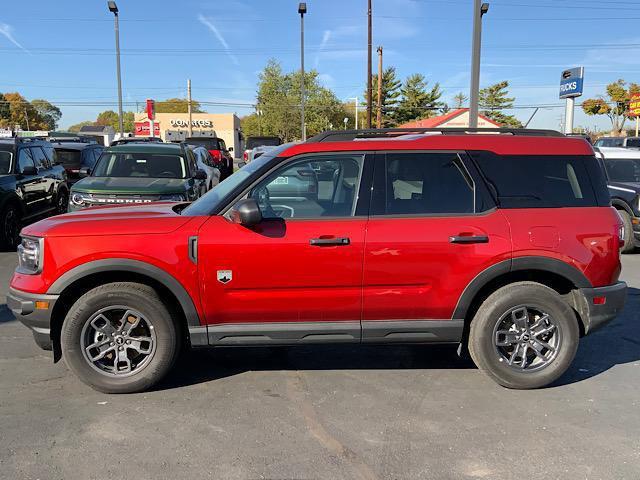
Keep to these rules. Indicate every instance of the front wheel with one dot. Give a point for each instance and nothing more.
(11, 222)
(524, 336)
(119, 338)
(62, 202)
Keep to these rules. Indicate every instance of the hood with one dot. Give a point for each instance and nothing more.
(131, 185)
(635, 186)
(154, 218)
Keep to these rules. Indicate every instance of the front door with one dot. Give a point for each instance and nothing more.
(432, 229)
(297, 276)
(29, 186)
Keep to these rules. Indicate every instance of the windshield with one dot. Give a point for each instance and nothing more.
(609, 142)
(150, 165)
(213, 198)
(623, 169)
(69, 158)
(208, 143)
(253, 142)
(5, 162)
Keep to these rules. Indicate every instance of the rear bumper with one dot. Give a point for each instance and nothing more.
(598, 306)
(23, 306)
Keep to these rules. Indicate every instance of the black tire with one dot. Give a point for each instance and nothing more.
(144, 300)
(482, 335)
(62, 202)
(629, 246)
(10, 225)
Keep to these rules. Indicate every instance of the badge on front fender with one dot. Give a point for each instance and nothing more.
(225, 276)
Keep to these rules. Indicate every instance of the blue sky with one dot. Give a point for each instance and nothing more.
(63, 50)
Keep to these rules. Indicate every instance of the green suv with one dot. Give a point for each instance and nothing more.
(137, 173)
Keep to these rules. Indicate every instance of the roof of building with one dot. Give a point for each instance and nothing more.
(96, 129)
(441, 119)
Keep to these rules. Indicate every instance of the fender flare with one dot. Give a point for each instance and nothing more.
(12, 197)
(619, 202)
(134, 266)
(544, 264)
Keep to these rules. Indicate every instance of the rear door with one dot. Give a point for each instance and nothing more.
(433, 227)
(296, 276)
(49, 180)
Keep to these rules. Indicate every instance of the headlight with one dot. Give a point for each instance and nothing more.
(173, 198)
(79, 199)
(30, 255)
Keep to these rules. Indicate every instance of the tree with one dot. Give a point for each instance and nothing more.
(279, 100)
(177, 105)
(390, 96)
(4, 109)
(416, 101)
(493, 100)
(110, 118)
(615, 106)
(459, 100)
(76, 128)
(48, 114)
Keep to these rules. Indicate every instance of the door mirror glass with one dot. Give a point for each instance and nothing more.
(84, 172)
(246, 212)
(241, 164)
(200, 175)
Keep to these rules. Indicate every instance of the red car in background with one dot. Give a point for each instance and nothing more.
(222, 158)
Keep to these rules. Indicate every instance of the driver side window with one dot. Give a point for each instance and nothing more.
(313, 187)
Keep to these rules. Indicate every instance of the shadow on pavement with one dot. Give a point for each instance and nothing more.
(5, 314)
(614, 344)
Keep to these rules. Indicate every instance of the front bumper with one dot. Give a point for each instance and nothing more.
(599, 305)
(35, 316)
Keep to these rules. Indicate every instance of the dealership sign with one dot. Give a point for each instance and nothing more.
(571, 82)
(194, 123)
(142, 129)
(634, 105)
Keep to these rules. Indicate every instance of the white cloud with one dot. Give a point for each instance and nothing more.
(325, 39)
(206, 22)
(7, 31)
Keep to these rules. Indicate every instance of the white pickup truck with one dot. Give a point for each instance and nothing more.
(256, 146)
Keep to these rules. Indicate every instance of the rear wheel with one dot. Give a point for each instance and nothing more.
(524, 336)
(119, 338)
(628, 232)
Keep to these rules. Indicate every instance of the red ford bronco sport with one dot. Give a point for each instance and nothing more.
(503, 242)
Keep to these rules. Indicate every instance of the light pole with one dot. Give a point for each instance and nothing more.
(479, 9)
(113, 8)
(302, 9)
(355, 99)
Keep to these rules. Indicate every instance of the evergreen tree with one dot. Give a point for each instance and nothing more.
(493, 100)
(417, 101)
(390, 96)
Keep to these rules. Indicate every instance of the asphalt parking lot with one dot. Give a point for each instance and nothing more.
(325, 412)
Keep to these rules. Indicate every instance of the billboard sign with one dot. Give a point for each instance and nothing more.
(142, 129)
(634, 105)
(571, 82)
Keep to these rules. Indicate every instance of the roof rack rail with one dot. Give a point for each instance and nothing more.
(348, 135)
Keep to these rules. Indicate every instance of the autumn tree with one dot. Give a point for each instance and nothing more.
(493, 100)
(177, 105)
(615, 105)
(416, 100)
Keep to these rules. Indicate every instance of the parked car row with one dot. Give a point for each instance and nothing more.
(504, 244)
(622, 142)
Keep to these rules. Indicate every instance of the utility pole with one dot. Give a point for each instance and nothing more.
(379, 117)
(479, 9)
(302, 9)
(369, 85)
(113, 8)
(189, 106)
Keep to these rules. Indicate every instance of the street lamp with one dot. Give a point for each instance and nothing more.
(479, 10)
(355, 99)
(113, 8)
(302, 9)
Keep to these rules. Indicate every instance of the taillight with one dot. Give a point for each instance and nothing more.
(245, 156)
(216, 155)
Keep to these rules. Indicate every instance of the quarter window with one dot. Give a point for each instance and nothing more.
(427, 184)
(311, 188)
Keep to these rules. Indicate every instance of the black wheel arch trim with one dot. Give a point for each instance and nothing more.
(13, 198)
(624, 205)
(134, 266)
(543, 264)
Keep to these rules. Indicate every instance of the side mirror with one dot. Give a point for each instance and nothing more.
(84, 172)
(246, 212)
(230, 149)
(241, 164)
(29, 170)
(200, 175)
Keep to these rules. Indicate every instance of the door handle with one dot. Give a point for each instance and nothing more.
(330, 242)
(469, 239)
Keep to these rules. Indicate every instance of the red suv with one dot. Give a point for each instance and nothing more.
(505, 243)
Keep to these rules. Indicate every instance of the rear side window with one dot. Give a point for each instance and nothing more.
(633, 142)
(39, 157)
(536, 181)
(425, 184)
(69, 158)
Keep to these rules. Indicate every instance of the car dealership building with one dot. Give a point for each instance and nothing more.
(175, 127)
